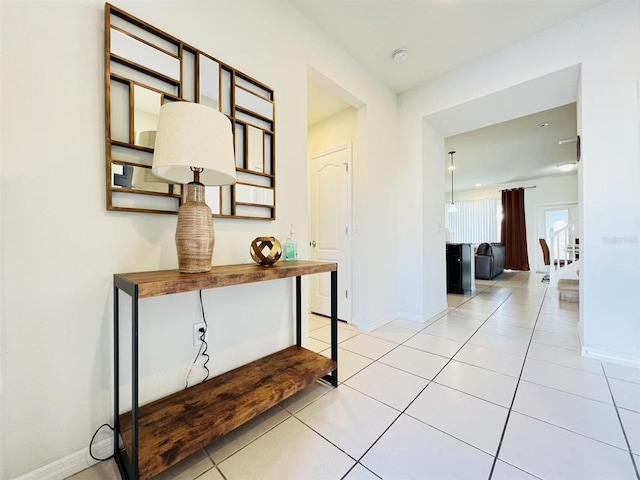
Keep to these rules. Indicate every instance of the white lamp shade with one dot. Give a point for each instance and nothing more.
(194, 135)
(147, 138)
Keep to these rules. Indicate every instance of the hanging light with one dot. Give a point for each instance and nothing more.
(452, 207)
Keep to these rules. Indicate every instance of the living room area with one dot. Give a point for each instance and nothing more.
(536, 153)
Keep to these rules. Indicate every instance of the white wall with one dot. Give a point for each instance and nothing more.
(432, 222)
(332, 132)
(604, 41)
(548, 191)
(60, 247)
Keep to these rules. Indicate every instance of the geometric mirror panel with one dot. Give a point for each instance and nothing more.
(146, 68)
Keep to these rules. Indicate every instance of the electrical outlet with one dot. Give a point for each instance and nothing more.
(197, 333)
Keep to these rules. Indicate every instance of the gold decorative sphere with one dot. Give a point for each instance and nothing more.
(266, 251)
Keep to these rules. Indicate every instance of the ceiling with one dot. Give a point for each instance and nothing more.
(515, 151)
(458, 32)
(441, 35)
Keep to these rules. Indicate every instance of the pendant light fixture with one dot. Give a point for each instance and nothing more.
(452, 207)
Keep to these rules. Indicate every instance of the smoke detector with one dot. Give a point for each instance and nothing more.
(400, 55)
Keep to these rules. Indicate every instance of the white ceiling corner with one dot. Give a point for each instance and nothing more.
(493, 136)
(441, 35)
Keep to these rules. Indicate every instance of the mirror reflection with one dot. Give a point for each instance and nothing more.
(209, 82)
(255, 149)
(254, 194)
(125, 46)
(212, 198)
(146, 111)
(145, 68)
(119, 111)
(254, 103)
(140, 178)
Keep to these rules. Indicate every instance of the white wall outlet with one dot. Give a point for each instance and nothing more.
(197, 333)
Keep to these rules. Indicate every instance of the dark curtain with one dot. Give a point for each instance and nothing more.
(514, 230)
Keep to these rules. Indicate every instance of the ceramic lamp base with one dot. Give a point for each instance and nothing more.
(194, 233)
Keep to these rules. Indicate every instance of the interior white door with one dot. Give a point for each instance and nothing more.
(330, 227)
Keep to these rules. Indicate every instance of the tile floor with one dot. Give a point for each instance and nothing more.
(493, 389)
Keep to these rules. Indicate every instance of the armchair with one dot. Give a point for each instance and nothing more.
(489, 260)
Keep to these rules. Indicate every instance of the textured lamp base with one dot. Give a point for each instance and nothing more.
(194, 233)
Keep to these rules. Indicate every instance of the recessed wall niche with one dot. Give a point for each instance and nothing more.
(145, 68)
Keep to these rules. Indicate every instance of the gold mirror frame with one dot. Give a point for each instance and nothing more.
(146, 67)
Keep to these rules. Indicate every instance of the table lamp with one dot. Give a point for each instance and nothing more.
(194, 146)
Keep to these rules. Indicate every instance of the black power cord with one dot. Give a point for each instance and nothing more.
(91, 443)
(201, 351)
(203, 347)
(204, 352)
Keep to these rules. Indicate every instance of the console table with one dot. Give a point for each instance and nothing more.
(153, 437)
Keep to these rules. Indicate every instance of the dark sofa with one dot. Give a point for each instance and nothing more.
(489, 260)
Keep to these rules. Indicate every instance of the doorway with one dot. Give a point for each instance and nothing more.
(553, 217)
(336, 125)
(330, 188)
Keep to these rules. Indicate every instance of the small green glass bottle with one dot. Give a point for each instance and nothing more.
(291, 247)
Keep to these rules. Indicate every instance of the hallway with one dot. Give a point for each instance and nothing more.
(495, 388)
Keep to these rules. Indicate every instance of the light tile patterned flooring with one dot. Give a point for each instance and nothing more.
(494, 389)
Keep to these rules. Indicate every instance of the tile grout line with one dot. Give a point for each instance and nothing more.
(357, 462)
(513, 399)
(561, 365)
(291, 415)
(386, 353)
(450, 359)
(555, 346)
(217, 464)
(326, 439)
(624, 433)
(564, 391)
(363, 466)
(429, 383)
(219, 471)
(569, 430)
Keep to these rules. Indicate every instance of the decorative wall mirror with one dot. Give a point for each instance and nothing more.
(145, 68)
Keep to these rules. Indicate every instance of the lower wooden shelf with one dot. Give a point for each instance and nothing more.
(180, 424)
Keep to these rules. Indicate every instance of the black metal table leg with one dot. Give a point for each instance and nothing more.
(299, 311)
(116, 374)
(134, 390)
(334, 326)
(119, 454)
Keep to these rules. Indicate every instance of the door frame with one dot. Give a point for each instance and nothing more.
(540, 266)
(348, 275)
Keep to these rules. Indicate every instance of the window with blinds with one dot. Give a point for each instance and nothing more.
(476, 221)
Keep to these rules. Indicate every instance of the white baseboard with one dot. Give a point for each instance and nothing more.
(71, 464)
(368, 327)
(581, 334)
(611, 357)
(437, 314)
(411, 316)
(422, 319)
